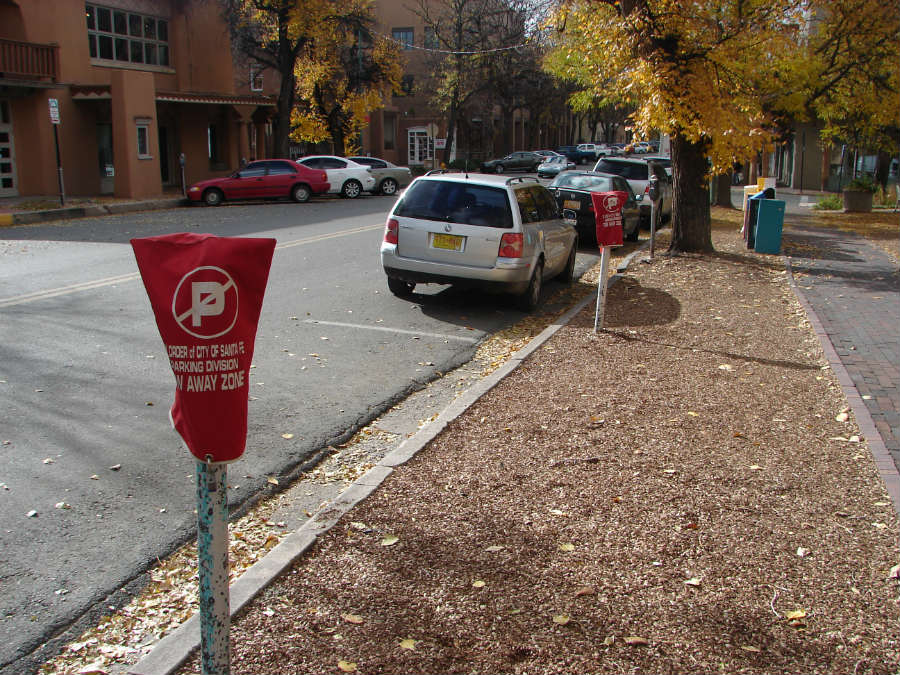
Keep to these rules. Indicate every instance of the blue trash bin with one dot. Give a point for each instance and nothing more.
(769, 223)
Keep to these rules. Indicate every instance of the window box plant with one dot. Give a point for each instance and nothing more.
(858, 195)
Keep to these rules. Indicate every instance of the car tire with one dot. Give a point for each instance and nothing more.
(400, 288)
(351, 189)
(213, 197)
(567, 276)
(301, 193)
(635, 232)
(531, 298)
(499, 168)
(388, 187)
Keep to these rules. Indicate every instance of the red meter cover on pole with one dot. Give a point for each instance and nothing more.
(207, 293)
(608, 215)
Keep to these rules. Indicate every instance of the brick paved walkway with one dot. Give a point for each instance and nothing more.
(853, 290)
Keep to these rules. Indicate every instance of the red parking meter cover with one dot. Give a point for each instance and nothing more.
(206, 293)
(608, 214)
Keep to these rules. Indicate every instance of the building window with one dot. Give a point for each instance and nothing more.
(117, 35)
(256, 78)
(390, 131)
(430, 40)
(407, 83)
(404, 36)
(143, 140)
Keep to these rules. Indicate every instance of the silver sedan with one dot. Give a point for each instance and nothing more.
(388, 177)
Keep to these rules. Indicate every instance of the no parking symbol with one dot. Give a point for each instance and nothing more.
(206, 293)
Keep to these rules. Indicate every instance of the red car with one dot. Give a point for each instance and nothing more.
(263, 179)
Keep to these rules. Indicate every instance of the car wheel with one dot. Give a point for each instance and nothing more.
(351, 189)
(499, 168)
(301, 193)
(389, 186)
(213, 197)
(567, 276)
(530, 299)
(400, 288)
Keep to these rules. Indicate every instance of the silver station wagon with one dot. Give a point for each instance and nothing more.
(499, 233)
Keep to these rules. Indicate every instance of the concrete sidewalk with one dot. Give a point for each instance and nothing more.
(12, 211)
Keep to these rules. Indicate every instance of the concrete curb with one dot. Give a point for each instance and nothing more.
(174, 649)
(883, 460)
(90, 210)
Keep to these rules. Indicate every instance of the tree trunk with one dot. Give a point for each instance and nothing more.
(691, 230)
(723, 190)
(281, 126)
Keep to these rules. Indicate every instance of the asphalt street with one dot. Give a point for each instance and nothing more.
(95, 486)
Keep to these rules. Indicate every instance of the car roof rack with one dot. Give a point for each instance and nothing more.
(521, 179)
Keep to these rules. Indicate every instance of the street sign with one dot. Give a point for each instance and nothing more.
(440, 143)
(608, 217)
(206, 294)
(54, 110)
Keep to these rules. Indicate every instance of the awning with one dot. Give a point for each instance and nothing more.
(90, 92)
(216, 99)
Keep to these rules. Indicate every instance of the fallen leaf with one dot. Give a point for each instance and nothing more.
(49, 460)
(352, 618)
(408, 644)
(268, 612)
(61, 505)
(609, 640)
(795, 615)
(755, 467)
(693, 414)
(347, 666)
(566, 548)
(272, 480)
(562, 619)
(32, 514)
(895, 572)
(95, 477)
(750, 648)
(287, 437)
(557, 512)
(842, 417)
(478, 584)
(494, 549)
(586, 590)
(95, 668)
(390, 540)
(634, 640)
(693, 581)
(726, 367)
(802, 552)
(115, 467)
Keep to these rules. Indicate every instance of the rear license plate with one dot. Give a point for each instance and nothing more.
(572, 204)
(449, 242)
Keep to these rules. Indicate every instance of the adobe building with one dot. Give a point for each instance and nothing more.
(136, 83)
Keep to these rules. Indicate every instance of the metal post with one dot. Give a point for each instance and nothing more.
(212, 555)
(59, 169)
(653, 211)
(601, 288)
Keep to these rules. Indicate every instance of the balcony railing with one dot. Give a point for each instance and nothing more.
(28, 61)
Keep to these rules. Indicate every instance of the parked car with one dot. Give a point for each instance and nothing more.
(546, 153)
(642, 147)
(573, 189)
(524, 160)
(664, 161)
(347, 178)
(263, 179)
(388, 177)
(593, 151)
(570, 151)
(477, 230)
(637, 170)
(551, 166)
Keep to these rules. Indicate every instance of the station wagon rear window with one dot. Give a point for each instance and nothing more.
(629, 170)
(450, 201)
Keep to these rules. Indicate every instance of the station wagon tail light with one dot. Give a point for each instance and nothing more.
(324, 177)
(392, 232)
(511, 245)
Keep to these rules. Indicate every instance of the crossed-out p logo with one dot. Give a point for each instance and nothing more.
(610, 203)
(205, 302)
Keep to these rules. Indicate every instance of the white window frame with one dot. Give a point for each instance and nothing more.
(143, 125)
(256, 77)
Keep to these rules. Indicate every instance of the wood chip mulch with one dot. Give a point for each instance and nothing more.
(683, 492)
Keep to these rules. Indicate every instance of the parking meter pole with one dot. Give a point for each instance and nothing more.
(59, 168)
(181, 162)
(212, 556)
(653, 212)
(601, 288)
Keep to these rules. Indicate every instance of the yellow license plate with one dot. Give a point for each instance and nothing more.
(450, 242)
(571, 204)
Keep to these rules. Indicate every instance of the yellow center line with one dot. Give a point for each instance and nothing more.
(124, 278)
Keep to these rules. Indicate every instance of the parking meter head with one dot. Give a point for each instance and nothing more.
(653, 188)
(206, 293)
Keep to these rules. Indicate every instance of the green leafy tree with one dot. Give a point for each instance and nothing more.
(695, 70)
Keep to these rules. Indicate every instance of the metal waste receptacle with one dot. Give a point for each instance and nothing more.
(769, 223)
(751, 214)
